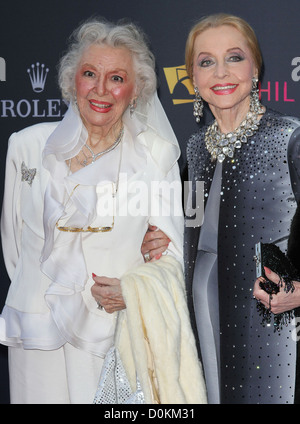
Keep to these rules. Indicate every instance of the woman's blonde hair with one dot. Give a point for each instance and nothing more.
(214, 21)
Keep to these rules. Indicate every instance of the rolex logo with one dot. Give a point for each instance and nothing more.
(38, 74)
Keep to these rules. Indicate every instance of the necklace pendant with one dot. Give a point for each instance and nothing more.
(221, 157)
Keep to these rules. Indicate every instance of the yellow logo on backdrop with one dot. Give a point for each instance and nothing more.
(179, 84)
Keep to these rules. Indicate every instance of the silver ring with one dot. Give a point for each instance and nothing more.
(99, 306)
(147, 257)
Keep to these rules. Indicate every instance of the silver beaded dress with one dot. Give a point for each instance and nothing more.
(249, 198)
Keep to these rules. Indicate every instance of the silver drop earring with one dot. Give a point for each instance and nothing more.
(255, 105)
(198, 105)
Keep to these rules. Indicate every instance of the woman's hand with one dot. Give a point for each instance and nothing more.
(280, 302)
(155, 243)
(108, 294)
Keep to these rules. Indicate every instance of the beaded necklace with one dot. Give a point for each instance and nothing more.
(222, 145)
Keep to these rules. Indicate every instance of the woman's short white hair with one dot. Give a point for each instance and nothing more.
(126, 35)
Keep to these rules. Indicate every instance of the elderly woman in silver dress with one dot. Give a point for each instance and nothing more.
(248, 160)
(79, 196)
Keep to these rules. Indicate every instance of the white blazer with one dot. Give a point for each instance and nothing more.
(49, 301)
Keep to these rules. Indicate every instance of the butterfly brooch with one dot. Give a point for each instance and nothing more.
(27, 174)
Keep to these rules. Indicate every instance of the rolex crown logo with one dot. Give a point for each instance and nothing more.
(38, 74)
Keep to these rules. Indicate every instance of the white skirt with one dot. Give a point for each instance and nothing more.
(63, 376)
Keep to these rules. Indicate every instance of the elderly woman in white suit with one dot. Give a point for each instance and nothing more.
(79, 196)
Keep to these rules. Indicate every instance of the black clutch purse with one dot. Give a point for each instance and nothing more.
(270, 256)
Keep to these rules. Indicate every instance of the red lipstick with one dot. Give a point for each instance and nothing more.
(224, 89)
(101, 107)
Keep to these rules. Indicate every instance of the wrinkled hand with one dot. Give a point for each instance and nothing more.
(280, 302)
(107, 293)
(155, 243)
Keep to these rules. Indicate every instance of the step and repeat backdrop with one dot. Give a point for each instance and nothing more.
(33, 36)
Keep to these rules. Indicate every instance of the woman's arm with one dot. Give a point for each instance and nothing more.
(282, 301)
(294, 162)
(165, 232)
(11, 216)
(107, 291)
